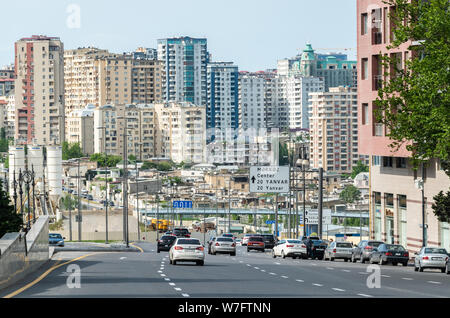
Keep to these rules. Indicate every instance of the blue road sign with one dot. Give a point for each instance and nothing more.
(270, 222)
(182, 204)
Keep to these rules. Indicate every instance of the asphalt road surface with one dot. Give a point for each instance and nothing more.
(254, 274)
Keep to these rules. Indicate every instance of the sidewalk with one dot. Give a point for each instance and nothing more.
(95, 247)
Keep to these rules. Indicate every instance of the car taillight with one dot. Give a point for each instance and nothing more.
(303, 245)
(388, 254)
(425, 257)
(289, 245)
(200, 248)
(233, 245)
(217, 244)
(368, 247)
(178, 248)
(406, 254)
(334, 251)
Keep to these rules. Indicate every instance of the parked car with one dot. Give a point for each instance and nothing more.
(338, 250)
(269, 240)
(187, 250)
(223, 245)
(315, 247)
(389, 253)
(245, 239)
(256, 243)
(431, 257)
(289, 248)
(90, 197)
(56, 239)
(364, 249)
(165, 243)
(181, 232)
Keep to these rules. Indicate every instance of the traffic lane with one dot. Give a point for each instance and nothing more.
(109, 275)
(225, 276)
(394, 280)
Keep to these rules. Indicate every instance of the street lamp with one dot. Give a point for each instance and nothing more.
(125, 179)
(137, 189)
(106, 183)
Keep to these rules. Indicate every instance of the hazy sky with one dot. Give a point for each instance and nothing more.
(252, 33)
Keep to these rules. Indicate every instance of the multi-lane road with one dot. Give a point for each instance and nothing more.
(254, 274)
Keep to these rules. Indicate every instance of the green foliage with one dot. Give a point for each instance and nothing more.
(68, 203)
(283, 155)
(70, 151)
(441, 206)
(414, 102)
(57, 226)
(104, 160)
(350, 194)
(148, 165)
(164, 166)
(4, 142)
(360, 167)
(10, 221)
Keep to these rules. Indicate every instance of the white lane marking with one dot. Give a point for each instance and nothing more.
(241, 262)
(338, 289)
(300, 281)
(172, 284)
(346, 270)
(385, 276)
(406, 278)
(249, 265)
(313, 264)
(256, 267)
(272, 273)
(185, 295)
(284, 276)
(167, 279)
(277, 263)
(431, 282)
(364, 295)
(330, 268)
(159, 271)
(123, 258)
(363, 273)
(177, 289)
(163, 275)
(318, 285)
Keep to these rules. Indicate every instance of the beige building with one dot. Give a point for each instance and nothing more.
(80, 128)
(39, 96)
(333, 119)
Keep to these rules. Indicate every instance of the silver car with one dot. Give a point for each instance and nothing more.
(223, 245)
(430, 257)
(338, 250)
(187, 250)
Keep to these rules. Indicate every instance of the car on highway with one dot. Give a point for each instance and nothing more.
(389, 253)
(447, 266)
(187, 250)
(210, 242)
(229, 235)
(245, 239)
(256, 243)
(364, 249)
(181, 232)
(238, 242)
(315, 247)
(56, 239)
(431, 257)
(269, 240)
(289, 248)
(165, 243)
(338, 250)
(225, 245)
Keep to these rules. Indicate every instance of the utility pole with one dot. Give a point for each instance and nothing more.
(276, 216)
(320, 202)
(424, 225)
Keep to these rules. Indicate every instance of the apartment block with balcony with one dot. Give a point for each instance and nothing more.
(80, 128)
(396, 202)
(39, 90)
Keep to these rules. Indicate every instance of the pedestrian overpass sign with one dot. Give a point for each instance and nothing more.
(269, 179)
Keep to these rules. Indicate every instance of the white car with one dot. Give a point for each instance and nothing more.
(238, 242)
(245, 239)
(431, 257)
(187, 250)
(289, 248)
(338, 250)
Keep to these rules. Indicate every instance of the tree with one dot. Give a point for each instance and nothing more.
(164, 166)
(68, 203)
(441, 206)
(10, 221)
(350, 194)
(360, 167)
(70, 151)
(413, 102)
(104, 160)
(3, 140)
(283, 155)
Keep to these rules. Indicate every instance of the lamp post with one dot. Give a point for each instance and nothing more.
(125, 180)
(106, 183)
(137, 191)
(229, 205)
(79, 200)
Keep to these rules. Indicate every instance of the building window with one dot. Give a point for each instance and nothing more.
(400, 162)
(389, 199)
(377, 197)
(402, 201)
(365, 114)
(375, 160)
(364, 68)
(364, 21)
(387, 161)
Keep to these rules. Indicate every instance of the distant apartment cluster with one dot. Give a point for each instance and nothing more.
(62, 91)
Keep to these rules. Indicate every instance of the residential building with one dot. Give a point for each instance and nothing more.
(252, 107)
(223, 101)
(80, 128)
(6, 86)
(39, 67)
(396, 202)
(184, 63)
(334, 130)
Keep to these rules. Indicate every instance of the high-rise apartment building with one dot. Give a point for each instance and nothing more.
(39, 70)
(334, 130)
(252, 107)
(396, 202)
(223, 101)
(184, 62)
(80, 128)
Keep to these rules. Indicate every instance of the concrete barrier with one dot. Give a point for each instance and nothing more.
(16, 262)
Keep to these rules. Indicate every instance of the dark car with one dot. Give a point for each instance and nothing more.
(181, 232)
(364, 249)
(269, 240)
(447, 266)
(165, 243)
(389, 253)
(315, 247)
(256, 243)
(56, 239)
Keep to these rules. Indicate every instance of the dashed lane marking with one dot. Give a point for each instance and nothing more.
(364, 295)
(318, 285)
(338, 289)
(300, 281)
